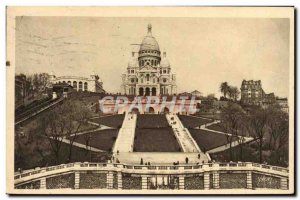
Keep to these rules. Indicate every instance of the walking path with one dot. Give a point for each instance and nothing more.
(160, 158)
(125, 139)
(102, 127)
(83, 146)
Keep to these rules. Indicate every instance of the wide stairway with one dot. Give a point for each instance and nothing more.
(125, 139)
(182, 134)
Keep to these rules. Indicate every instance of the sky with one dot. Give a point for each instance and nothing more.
(203, 52)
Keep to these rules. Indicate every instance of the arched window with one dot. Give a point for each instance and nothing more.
(85, 86)
(147, 77)
(69, 82)
(154, 80)
(64, 81)
(80, 86)
(132, 71)
(152, 63)
(75, 85)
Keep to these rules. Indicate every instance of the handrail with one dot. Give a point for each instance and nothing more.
(207, 166)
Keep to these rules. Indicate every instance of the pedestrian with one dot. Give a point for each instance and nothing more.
(186, 160)
(142, 162)
(199, 156)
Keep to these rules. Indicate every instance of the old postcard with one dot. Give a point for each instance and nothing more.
(150, 100)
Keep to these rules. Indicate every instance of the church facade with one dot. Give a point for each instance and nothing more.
(149, 73)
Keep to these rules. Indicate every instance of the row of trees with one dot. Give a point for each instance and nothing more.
(229, 92)
(269, 127)
(35, 84)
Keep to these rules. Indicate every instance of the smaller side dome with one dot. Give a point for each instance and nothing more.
(133, 62)
(165, 62)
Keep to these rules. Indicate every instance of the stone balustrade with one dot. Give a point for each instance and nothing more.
(207, 176)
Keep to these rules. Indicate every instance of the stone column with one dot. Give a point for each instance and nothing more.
(144, 182)
(109, 180)
(216, 180)
(181, 182)
(249, 180)
(206, 180)
(77, 179)
(120, 181)
(284, 183)
(43, 183)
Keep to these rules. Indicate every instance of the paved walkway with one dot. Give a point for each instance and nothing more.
(102, 127)
(125, 139)
(160, 158)
(83, 146)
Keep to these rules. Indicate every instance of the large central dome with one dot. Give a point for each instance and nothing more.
(149, 42)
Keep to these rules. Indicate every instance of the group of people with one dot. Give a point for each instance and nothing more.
(146, 163)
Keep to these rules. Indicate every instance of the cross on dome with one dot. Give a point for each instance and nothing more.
(149, 29)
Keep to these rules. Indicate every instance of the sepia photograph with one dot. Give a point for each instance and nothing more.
(150, 100)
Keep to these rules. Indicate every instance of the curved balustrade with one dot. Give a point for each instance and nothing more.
(143, 168)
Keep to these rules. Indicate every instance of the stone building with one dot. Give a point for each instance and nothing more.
(283, 103)
(90, 84)
(21, 85)
(252, 93)
(196, 93)
(149, 73)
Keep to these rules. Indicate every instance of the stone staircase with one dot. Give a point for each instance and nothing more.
(182, 134)
(125, 139)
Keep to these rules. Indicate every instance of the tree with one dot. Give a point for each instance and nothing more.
(211, 96)
(61, 122)
(275, 124)
(231, 120)
(233, 93)
(53, 126)
(224, 88)
(77, 116)
(258, 119)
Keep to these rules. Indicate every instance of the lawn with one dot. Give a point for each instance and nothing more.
(208, 140)
(151, 121)
(191, 122)
(216, 127)
(114, 121)
(103, 139)
(155, 140)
